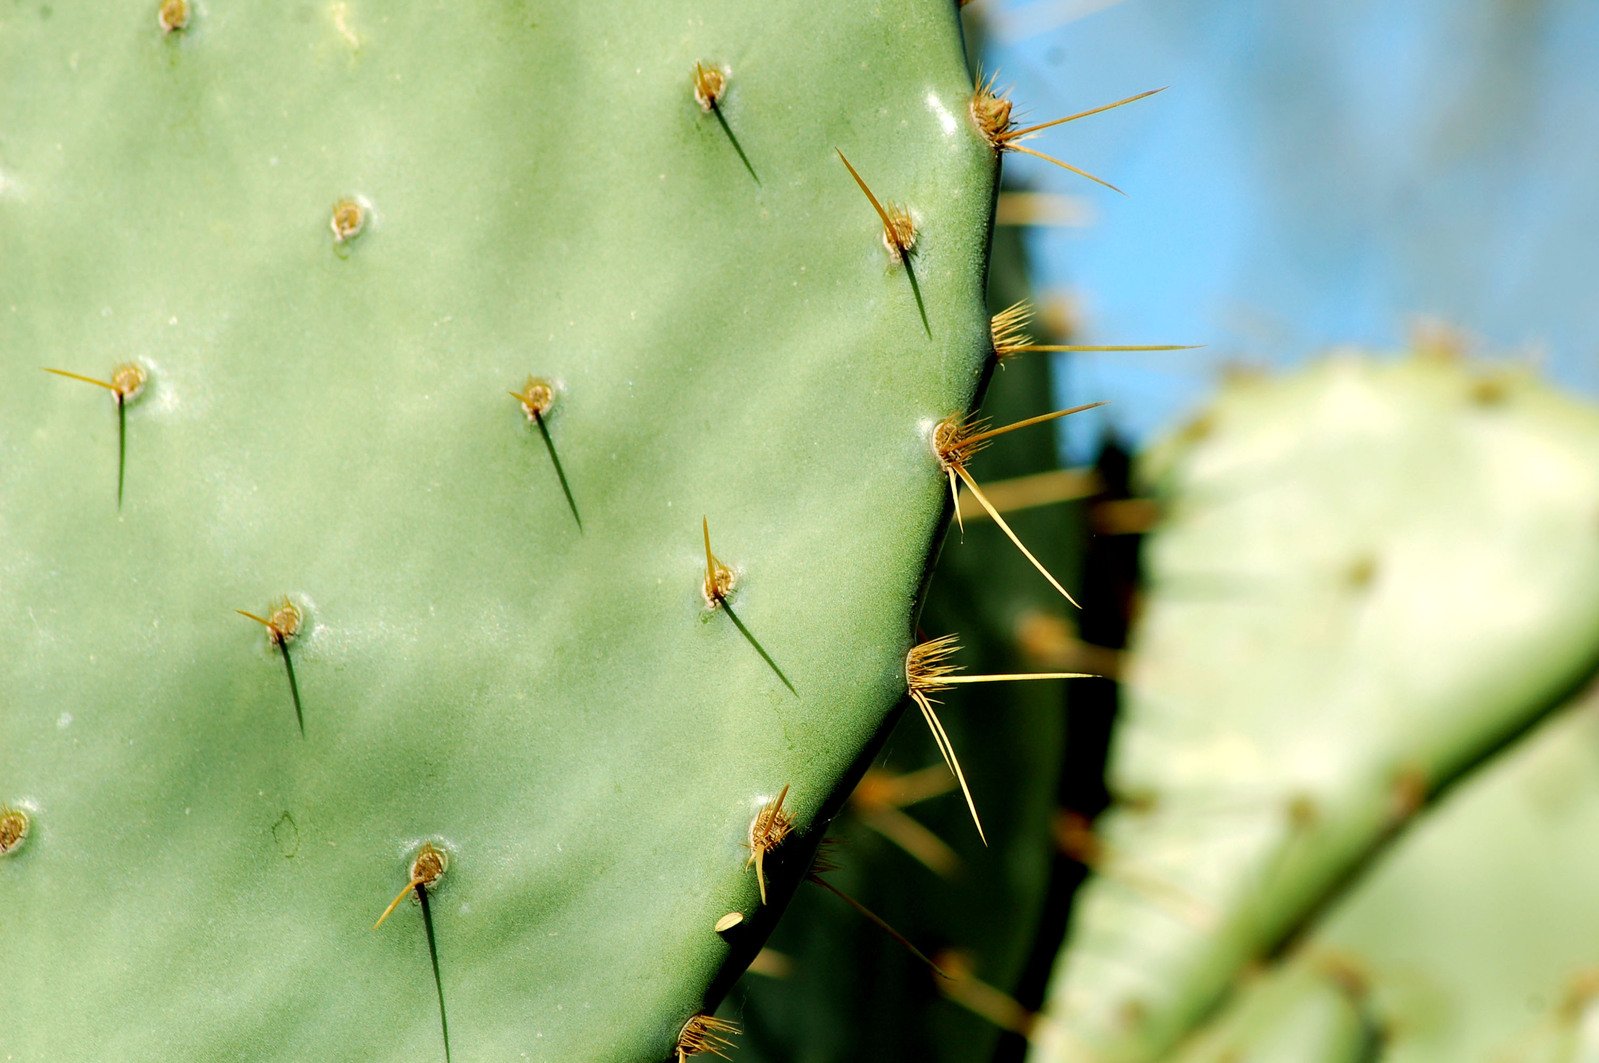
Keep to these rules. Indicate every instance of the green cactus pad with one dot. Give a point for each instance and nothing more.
(1303, 1014)
(851, 991)
(538, 193)
(1471, 939)
(1476, 932)
(1371, 577)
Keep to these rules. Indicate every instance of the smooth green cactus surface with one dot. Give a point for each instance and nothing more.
(1371, 577)
(327, 418)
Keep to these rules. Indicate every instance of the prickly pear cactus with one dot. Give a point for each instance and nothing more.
(1371, 580)
(332, 240)
(1306, 1013)
(844, 989)
(1471, 939)
(1474, 935)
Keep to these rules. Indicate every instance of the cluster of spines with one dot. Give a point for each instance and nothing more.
(1008, 331)
(992, 111)
(705, 1035)
(956, 439)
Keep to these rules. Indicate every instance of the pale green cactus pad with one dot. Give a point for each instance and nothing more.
(1371, 578)
(1307, 1013)
(326, 417)
(1472, 940)
(1476, 934)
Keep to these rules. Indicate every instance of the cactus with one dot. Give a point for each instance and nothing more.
(846, 990)
(332, 243)
(1372, 579)
(1306, 1013)
(1471, 939)
(527, 723)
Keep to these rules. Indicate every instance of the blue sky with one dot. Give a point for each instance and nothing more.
(1320, 173)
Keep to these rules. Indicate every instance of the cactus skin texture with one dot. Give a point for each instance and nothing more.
(1371, 581)
(853, 993)
(335, 237)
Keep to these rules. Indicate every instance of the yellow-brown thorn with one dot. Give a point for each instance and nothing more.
(879, 801)
(1125, 516)
(824, 864)
(1581, 991)
(1027, 422)
(991, 108)
(1042, 210)
(1008, 328)
(928, 672)
(1011, 135)
(1077, 840)
(348, 219)
(769, 963)
(1004, 1011)
(282, 625)
(13, 829)
(1047, 640)
(982, 999)
(880, 788)
(1033, 490)
(429, 866)
(536, 397)
(1009, 331)
(127, 380)
(770, 826)
(706, 1035)
(899, 230)
(709, 84)
(719, 579)
(956, 439)
(1006, 137)
(173, 15)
